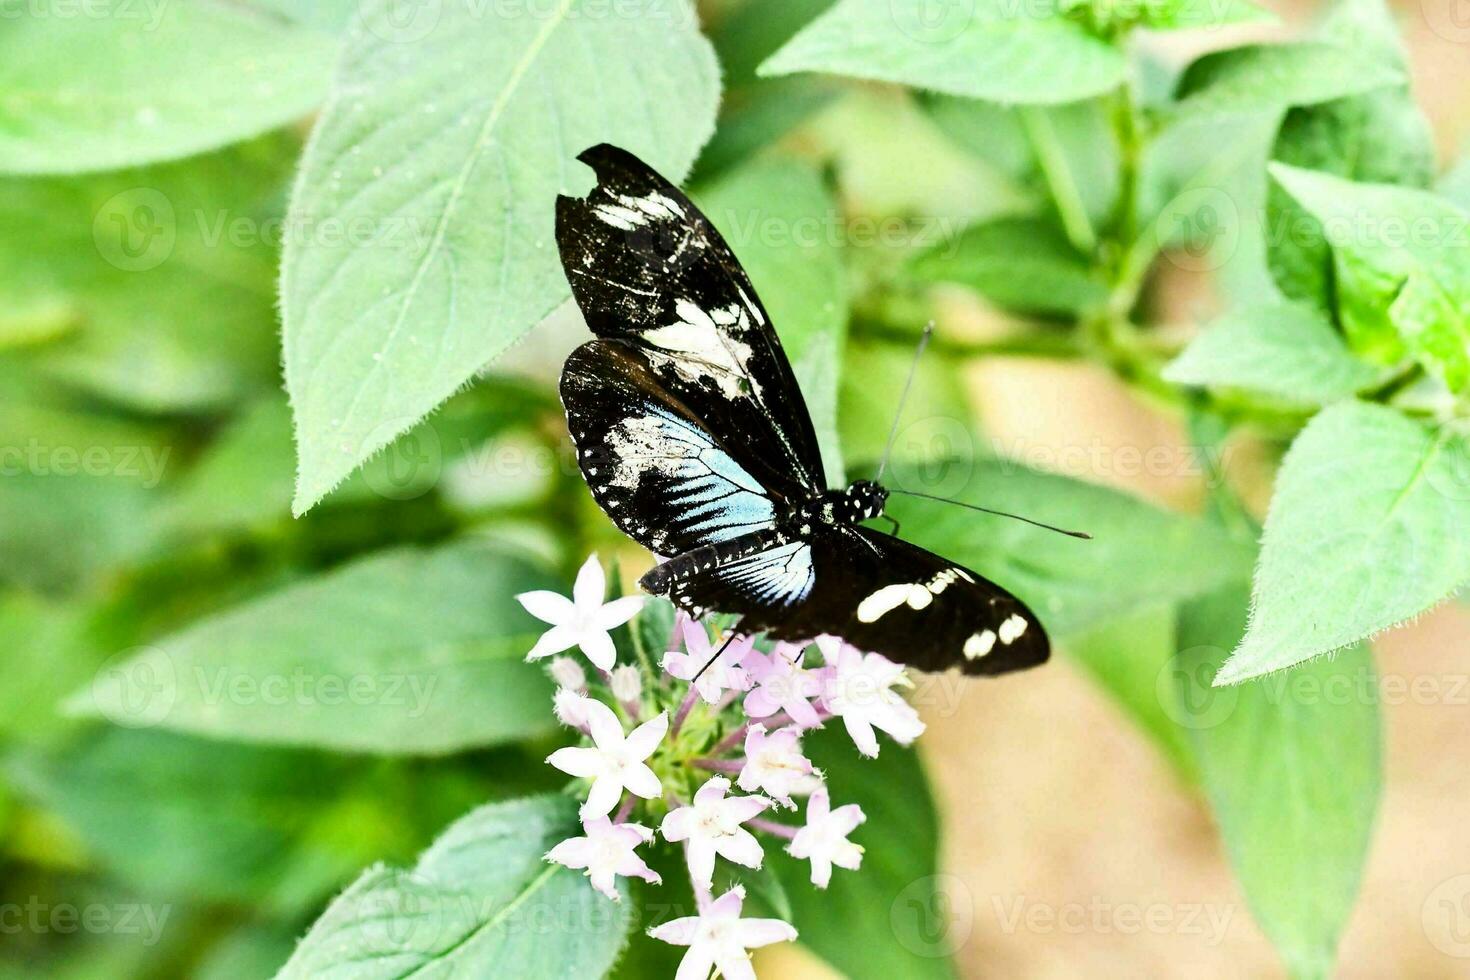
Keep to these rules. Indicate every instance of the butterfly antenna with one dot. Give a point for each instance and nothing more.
(998, 513)
(903, 397)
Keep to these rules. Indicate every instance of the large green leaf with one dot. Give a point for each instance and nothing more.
(480, 902)
(406, 652)
(1140, 555)
(988, 49)
(448, 154)
(1402, 268)
(1258, 76)
(1286, 350)
(1022, 264)
(785, 229)
(1292, 766)
(184, 817)
(166, 273)
(1366, 529)
(1126, 657)
(887, 919)
(161, 81)
(1379, 136)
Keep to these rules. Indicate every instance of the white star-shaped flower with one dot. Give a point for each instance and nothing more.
(719, 938)
(711, 826)
(720, 676)
(775, 766)
(823, 841)
(605, 853)
(616, 761)
(861, 692)
(583, 620)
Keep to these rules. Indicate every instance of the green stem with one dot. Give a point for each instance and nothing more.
(1064, 190)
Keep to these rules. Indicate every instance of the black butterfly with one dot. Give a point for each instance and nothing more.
(694, 438)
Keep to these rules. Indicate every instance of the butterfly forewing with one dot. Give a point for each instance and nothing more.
(652, 465)
(648, 269)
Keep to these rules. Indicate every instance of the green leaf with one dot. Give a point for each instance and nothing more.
(480, 902)
(1380, 136)
(408, 652)
(1260, 76)
(162, 81)
(1365, 531)
(784, 228)
(937, 415)
(180, 816)
(988, 49)
(168, 272)
(1126, 657)
(1173, 15)
(1022, 264)
(1292, 766)
(1455, 183)
(1070, 149)
(1140, 555)
(1286, 350)
(1403, 271)
(449, 153)
(886, 919)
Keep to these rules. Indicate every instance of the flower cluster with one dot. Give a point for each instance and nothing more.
(704, 740)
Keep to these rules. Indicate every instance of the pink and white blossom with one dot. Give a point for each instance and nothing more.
(718, 938)
(775, 766)
(606, 852)
(582, 621)
(861, 692)
(823, 841)
(782, 683)
(566, 672)
(722, 675)
(710, 826)
(615, 762)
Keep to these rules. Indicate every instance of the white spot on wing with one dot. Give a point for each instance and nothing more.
(1012, 628)
(979, 644)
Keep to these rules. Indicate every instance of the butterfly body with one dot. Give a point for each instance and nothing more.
(694, 438)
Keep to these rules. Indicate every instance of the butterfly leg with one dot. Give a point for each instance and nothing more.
(893, 521)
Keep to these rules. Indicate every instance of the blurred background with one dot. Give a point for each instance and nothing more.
(146, 486)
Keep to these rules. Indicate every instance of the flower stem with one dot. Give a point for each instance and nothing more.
(626, 810)
(719, 765)
(685, 707)
(772, 827)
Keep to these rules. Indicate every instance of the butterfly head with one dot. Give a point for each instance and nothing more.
(863, 501)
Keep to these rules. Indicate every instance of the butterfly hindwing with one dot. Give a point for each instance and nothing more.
(648, 269)
(875, 591)
(658, 472)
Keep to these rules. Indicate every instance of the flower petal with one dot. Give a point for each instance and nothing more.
(742, 808)
(604, 797)
(606, 730)
(755, 933)
(578, 762)
(641, 781)
(862, 735)
(554, 640)
(728, 905)
(574, 852)
(549, 607)
(742, 848)
(677, 824)
(696, 963)
(701, 856)
(645, 738)
(676, 932)
(591, 585)
(734, 964)
(598, 647)
(619, 611)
